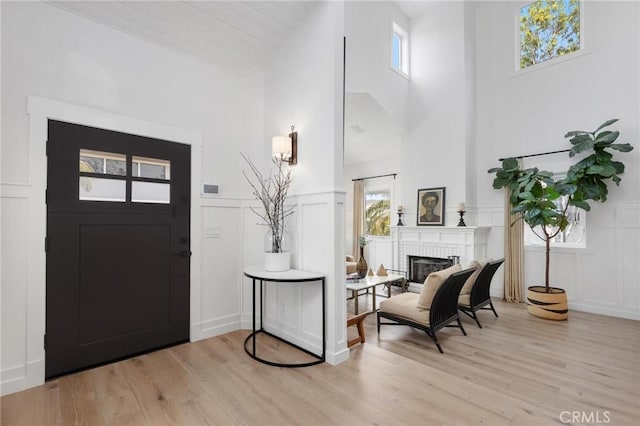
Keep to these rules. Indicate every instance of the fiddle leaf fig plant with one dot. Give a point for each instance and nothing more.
(542, 202)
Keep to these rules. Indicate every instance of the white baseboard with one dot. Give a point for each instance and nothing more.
(246, 322)
(22, 377)
(215, 327)
(305, 340)
(335, 358)
(605, 310)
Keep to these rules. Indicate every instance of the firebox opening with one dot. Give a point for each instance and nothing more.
(421, 266)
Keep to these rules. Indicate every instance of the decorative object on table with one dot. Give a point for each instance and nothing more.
(381, 271)
(361, 266)
(461, 212)
(370, 273)
(272, 192)
(544, 203)
(400, 212)
(353, 278)
(431, 206)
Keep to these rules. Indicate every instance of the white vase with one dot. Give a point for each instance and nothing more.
(277, 262)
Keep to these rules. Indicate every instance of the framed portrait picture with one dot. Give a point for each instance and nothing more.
(431, 206)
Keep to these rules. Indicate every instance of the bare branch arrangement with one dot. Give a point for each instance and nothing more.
(272, 193)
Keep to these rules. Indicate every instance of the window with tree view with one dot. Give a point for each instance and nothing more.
(548, 29)
(377, 213)
(573, 236)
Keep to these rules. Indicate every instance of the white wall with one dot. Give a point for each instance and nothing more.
(98, 72)
(529, 112)
(303, 86)
(367, 30)
(440, 125)
(467, 107)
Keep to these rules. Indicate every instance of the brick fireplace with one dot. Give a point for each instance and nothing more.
(448, 245)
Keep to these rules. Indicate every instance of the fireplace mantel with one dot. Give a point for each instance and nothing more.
(468, 242)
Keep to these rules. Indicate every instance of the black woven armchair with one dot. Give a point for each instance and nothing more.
(402, 309)
(479, 297)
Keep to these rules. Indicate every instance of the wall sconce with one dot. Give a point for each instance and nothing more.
(286, 147)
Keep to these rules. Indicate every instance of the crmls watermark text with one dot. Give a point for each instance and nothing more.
(585, 417)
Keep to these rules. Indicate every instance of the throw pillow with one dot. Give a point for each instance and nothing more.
(432, 284)
(468, 285)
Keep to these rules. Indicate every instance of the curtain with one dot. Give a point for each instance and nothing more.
(514, 253)
(358, 216)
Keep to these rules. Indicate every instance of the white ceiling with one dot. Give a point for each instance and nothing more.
(413, 8)
(238, 36)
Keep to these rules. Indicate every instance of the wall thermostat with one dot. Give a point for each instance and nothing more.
(210, 190)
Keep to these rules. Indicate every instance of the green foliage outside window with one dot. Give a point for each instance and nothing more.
(548, 29)
(378, 217)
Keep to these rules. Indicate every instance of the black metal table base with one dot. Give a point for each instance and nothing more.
(320, 358)
(252, 352)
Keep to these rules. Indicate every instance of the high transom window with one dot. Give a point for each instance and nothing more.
(548, 29)
(400, 50)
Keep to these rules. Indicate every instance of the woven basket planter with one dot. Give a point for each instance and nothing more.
(552, 305)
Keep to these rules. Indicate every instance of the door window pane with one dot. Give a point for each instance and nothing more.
(116, 167)
(151, 168)
(109, 163)
(150, 192)
(97, 189)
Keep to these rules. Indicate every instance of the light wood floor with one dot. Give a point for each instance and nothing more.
(517, 370)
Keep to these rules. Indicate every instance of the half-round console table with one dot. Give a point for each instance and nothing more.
(258, 273)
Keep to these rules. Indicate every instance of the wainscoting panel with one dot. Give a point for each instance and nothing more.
(566, 271)
(252, 236)
(630, 270)
(294, 310)
(311, 315)
(599, 267)
(601, 278)
(220, 296)
(15, 267)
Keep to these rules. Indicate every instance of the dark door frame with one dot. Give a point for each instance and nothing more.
(40, 110)
(96, 312)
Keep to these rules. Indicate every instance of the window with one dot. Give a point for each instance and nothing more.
(377, 212)
(150, 178)
(399, 50)
(548, 29)
(573, 236)
(151, 168)
(108, 163)
(102, 163)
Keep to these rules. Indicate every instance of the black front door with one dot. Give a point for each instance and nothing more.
(117, 245)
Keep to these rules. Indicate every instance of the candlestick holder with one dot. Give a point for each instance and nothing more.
(400, 219)
(461, 221)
